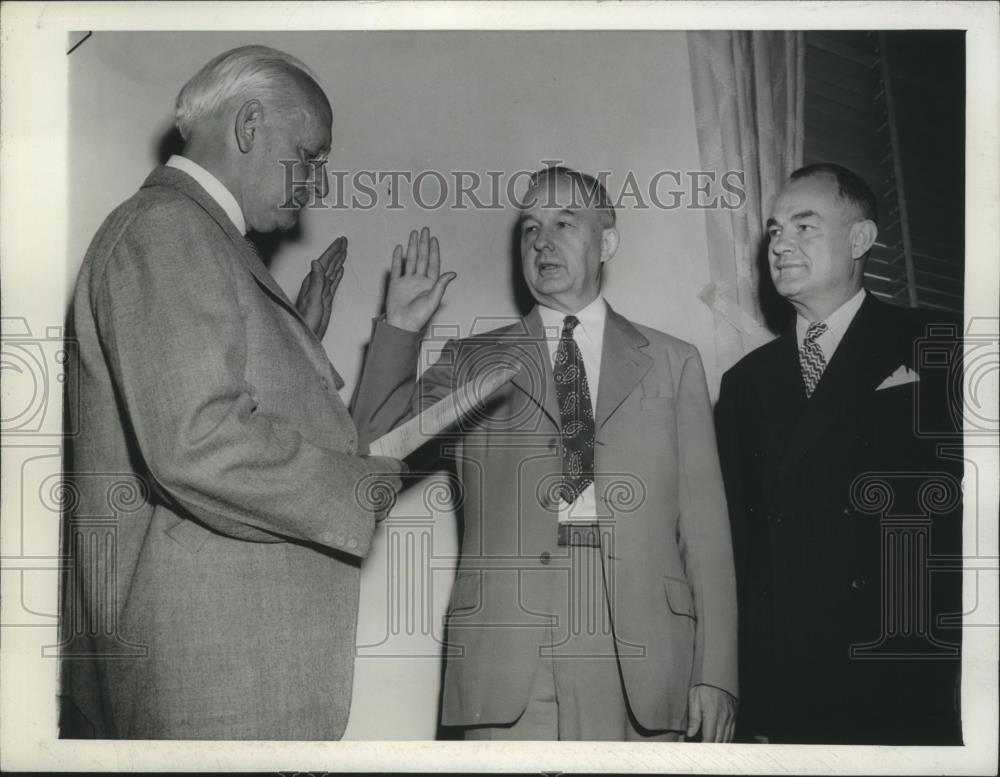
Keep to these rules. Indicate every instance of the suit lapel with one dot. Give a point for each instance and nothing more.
(535, 377)
(623, 365)
(186, 185)
(263, 277)
(852, 374)
(782, 387)
(777, 384)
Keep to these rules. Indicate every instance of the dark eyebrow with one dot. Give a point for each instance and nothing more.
(802, 214)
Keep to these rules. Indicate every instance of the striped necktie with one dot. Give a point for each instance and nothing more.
(811, 357)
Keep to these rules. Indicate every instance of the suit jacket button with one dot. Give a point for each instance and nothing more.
(847, 512)
(544, 557)
(352, 543)
(340, 539)
(326, 536)
(858, 583)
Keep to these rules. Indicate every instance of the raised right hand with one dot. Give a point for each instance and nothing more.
(416, 285)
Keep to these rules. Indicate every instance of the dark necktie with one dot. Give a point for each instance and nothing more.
(811, 356)
(576, 414)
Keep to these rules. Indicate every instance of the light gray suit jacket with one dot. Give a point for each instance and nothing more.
(216, 514)
(669, 562)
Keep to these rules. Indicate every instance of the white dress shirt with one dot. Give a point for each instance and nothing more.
(589, 338)
(215, 188)
(836, 326)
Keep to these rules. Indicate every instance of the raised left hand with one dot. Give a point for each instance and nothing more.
(315, 300)
(713, 711)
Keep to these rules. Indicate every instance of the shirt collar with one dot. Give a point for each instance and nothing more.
(837, 322)
(591, 318)
(214, 187)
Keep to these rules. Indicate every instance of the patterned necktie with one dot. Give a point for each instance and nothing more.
(811, 356)
(576, 414)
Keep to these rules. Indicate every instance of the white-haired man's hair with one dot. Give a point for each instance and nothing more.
(234, 77)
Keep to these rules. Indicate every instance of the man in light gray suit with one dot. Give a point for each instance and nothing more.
(219, 508)
(594, 597)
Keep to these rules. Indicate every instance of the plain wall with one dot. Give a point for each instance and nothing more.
(446, 101)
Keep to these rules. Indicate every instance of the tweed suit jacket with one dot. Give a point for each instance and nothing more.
(217, 526)
(668, 558)
(847, 528)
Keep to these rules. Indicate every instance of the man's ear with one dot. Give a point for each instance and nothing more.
(248, 120)
(609, 243)
(863, 234)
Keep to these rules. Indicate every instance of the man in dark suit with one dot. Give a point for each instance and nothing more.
(594, 597)
(842, 462)
(216, 528)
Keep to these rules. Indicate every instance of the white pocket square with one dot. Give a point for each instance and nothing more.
(900, 377)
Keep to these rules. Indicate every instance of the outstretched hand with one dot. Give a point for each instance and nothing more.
(315, 300)
(416, 285)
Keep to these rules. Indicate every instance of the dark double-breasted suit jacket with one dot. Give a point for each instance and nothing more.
(846, 515)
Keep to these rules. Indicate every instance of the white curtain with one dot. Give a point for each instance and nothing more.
(748, 94)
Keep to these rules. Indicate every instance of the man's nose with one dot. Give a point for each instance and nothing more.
(321, 182)
(780, 245)
(542, 240)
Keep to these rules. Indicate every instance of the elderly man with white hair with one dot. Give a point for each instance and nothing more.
(219, 509)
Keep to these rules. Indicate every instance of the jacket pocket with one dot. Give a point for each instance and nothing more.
(465, 593)
(679, 597)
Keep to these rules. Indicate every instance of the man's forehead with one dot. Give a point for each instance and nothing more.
(542, 213)
(816, 194)
(310, 127)
(309, 113)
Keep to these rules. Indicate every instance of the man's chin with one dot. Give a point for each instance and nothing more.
(549, 285)
(287, 220)
(787, 287)
(274, 221)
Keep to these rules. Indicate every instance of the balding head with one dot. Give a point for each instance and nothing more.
(231, 79)
(257, 119)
